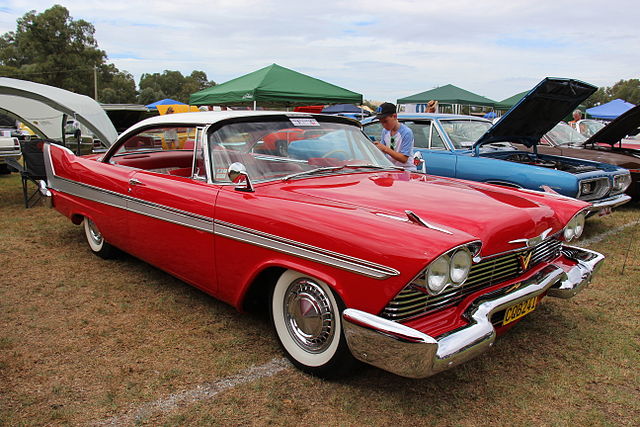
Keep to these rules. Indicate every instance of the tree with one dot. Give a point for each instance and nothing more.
(628, 90)
(171, 84)
(54, 49)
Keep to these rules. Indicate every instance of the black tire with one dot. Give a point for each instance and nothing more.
(96, 241)
(4, 169)
(306, 316)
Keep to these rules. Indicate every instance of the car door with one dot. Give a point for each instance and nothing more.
(171, 206)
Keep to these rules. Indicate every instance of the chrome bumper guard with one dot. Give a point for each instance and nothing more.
(45, 193)
(405, 351)
(610, 203)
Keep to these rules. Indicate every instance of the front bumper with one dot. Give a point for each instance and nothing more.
(609, 203)
(408, 352)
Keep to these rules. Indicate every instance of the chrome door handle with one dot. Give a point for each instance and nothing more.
(134, 181)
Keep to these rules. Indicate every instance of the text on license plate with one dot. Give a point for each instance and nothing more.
(519, 310)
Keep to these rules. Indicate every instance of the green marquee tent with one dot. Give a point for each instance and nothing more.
(506, 104)
(275, 86)
(448, 94)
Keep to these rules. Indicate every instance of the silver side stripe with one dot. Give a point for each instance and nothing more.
(303, 250)
(220, 228)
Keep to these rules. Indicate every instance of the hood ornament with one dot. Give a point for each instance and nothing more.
(534, 241)
(417, 220)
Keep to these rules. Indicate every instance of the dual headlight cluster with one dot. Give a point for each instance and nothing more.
(621, 183)
(575, 227)
(450, 269)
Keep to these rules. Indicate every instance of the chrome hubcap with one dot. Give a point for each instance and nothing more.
(309, 315)
(94, 234)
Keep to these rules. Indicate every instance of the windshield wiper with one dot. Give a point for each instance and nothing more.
(311, 172)
(335, 168)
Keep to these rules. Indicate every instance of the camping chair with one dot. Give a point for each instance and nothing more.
(32, 169)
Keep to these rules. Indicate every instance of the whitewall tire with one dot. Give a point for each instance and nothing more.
(306, 316)
(96, 241)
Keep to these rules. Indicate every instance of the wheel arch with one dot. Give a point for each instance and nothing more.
(257, 293)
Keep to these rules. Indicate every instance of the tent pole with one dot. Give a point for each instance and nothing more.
(254, 105)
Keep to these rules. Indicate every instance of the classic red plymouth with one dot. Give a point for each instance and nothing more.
(355, 258)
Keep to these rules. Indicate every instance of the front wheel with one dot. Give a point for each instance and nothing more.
(307, 320)
(96, 241)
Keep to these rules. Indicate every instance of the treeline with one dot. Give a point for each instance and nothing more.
(53, 48)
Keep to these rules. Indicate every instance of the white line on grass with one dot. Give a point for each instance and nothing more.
(600, 237)
(201, 392)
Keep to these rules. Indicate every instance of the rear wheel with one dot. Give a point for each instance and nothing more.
(307, 320)
(96, 241)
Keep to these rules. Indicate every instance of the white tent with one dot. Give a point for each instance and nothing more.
(46, 109)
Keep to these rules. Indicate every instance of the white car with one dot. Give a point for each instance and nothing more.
(9, 149)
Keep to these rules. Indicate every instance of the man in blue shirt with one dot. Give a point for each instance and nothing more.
(396, 139)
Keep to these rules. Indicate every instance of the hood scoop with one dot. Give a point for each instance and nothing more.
(417, 220)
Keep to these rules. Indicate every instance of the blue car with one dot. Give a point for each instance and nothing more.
(473, 148)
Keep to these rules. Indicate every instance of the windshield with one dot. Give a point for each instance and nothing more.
(276, 147)
(589, 127)
(563, 134)
(463, 133)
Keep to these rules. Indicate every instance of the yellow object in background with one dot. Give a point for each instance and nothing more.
(177, 108)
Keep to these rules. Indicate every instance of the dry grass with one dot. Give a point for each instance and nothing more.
(83, 339)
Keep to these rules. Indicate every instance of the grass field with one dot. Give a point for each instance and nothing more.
(83, 340)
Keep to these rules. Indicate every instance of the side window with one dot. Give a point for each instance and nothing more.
(373, 130)
(436, 140)
(165, 150)
(420, 133)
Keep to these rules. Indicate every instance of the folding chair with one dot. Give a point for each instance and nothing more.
(32, 170)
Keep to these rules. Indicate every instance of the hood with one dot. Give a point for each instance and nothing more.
(45, 109)
(622, 126)
(467, 210)
(538, 111)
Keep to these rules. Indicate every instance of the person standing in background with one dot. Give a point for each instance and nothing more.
(396, 139)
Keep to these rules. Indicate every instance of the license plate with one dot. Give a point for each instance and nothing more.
(519, 310)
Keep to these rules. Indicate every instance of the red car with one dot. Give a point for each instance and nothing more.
(355, 258)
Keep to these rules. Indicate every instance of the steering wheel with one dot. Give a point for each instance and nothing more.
(330, 153)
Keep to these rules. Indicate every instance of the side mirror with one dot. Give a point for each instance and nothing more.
(237, 173)
(419, 162)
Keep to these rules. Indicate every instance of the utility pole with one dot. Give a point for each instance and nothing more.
(95, 82)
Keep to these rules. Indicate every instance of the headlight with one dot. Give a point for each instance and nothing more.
(460, 266)
(621, 182)
(438, 274)
(587, 188)
(449, 269)
(574, 227)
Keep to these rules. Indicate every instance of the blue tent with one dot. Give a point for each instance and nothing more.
(610, 110)
(490, 115)
(166, 101)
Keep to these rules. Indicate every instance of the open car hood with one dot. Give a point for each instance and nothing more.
(538, 111)
(618, 128)
(45, 109)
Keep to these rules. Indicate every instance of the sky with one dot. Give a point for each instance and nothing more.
(382, 49)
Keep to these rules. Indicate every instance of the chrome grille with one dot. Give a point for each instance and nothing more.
(413, 300)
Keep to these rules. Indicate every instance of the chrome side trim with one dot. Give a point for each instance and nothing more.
(410, 353)
(302, 250)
